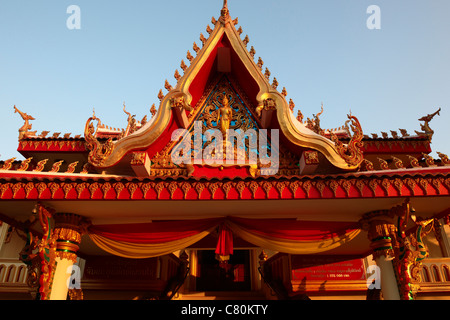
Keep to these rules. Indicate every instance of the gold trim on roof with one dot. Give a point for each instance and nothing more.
(295, 131)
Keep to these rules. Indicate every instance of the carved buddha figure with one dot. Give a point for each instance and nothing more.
(224, 116)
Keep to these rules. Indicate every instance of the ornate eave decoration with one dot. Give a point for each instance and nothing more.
(178, 188)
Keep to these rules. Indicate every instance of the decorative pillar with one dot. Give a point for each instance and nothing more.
(382, 234)
(67, 232)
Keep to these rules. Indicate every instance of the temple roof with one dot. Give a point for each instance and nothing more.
(142, 148)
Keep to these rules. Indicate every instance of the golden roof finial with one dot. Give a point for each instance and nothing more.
(275, 83)
(183, 65)
(225, 4)
(167, 85)
(24, 131)
(153, 110)
(246, 40)
(203, 39)
(291, 105)
(260, 63)
(196, 48)
(177, 75)
(299, 116)
(189, 56)
(224, 13)
(252, 52)
(267, 73)
(160, 95)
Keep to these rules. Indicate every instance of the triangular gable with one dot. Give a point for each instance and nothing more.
(224, 53)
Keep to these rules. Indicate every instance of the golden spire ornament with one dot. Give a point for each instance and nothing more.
(153, 110)
(252, 52)
(196, 48)
(177, 75)
(160, 95)
(246, 40)
(167, 86)
(189, 56)
(203, 39)
(260, 63)
(224, 13)
(183, 65)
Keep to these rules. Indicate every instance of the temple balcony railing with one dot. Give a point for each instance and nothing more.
(13, 276)
(435, 275)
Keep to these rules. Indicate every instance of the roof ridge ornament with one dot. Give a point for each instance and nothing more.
(225, 13)
(351, 153)
(99, 152)
(427, 131)
(24, 131)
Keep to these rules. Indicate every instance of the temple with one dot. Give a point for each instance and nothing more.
(224, 193)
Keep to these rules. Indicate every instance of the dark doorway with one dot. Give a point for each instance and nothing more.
(233, 276)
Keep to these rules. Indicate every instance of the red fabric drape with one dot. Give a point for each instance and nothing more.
(295, 230)
(225, 242)
(155, 232)
(162, 237)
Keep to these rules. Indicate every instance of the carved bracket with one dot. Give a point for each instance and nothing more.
(179, 106)
(141, 164)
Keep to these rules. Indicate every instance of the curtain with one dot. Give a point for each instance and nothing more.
(140, 241)
(294, 237)
(224, 246)
(164, 237)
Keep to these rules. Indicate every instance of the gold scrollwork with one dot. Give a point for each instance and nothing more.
(351, 153)
(99, 152)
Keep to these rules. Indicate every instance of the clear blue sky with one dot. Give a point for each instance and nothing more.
(321, 51)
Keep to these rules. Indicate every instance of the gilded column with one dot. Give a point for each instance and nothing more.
(382, 234)
(68, 231)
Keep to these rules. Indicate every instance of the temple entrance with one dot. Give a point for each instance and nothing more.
(232, 276)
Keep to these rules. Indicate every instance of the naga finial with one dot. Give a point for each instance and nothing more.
(351, 152)
(131, 122)
(426, 130)
(24, 131)
(314, 124)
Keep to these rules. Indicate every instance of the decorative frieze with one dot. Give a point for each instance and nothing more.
(316, 188)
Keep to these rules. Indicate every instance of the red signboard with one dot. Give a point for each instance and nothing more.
(326, 268)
